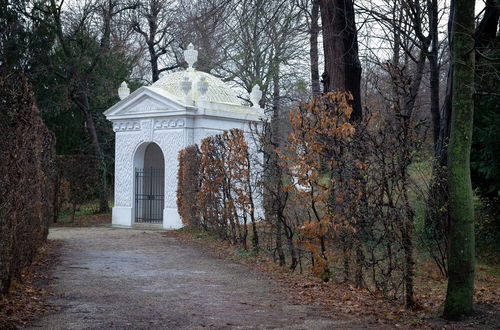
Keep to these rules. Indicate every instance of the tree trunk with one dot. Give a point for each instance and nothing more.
(360, 259)
(434, 69)
(407, 233)
(313, 45)
(340, 43)
(486, 31)
(152, 19)
(276, 168)
(273, 192)
(346, 258)
(155, 73)
(83, 104)
(291, 246)
(437, 217)
(255, 235)
(279, 243)
(461, 259)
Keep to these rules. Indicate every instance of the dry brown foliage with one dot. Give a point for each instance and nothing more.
(27, 301)
(340, 203)
(77, 182)
(346, 302)
(214, 191)
(188, 186)
(27, 172)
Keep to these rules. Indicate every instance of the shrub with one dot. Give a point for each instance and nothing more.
(77, 181)
(27, 173)
(214, 187)
(188, 186)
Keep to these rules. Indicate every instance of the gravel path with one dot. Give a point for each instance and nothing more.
(135, 279)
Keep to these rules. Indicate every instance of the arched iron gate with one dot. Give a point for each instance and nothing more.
(149, 195)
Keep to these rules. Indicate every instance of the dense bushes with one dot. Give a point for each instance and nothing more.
(341, 205)
(188, 180)
(215, 187)
(27, 173)
(77, 182)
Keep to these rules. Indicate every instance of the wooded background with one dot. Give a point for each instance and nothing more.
(394, 63)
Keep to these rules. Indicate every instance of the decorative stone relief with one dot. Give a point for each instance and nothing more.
(146, 105)
(131, 125)
(201, 133)
(211, 132)
(170, 143)
(256, 96)
(168, 123)
(148, 129)
(123, 91)
(126, 145)
(197, 135)
(188, 136)
(191, 56)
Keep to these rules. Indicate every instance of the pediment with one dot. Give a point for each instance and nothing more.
(145, 101)
(145, 104)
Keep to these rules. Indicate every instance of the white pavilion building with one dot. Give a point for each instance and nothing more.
(153, 124)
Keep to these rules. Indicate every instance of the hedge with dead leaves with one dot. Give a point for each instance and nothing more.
(27, 173)
(215, 191)
(335, 196)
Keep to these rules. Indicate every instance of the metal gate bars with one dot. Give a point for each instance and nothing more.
(149, 195)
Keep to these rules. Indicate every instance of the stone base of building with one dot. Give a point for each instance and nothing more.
(171, 219)
(123, 216)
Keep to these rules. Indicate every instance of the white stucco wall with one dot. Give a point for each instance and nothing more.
(163, 114)
(131, 142)
(171, 135)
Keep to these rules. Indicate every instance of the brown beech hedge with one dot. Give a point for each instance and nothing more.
(27, 174)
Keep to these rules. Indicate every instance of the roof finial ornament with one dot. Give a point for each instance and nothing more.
(191, 56)
(123, 91)
(202, 90)
(256, 96)
(186, 86)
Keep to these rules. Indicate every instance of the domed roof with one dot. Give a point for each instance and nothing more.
(217, 92)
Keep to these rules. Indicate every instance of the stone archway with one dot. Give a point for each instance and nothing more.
(149, 184)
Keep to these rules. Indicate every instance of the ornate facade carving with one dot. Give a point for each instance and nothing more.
(125, 147)
(123, 91)
(146, 106)
(170, 142)
(188, 137)
(201, 133)
(168, 123)
(129, 125)
(211, 132)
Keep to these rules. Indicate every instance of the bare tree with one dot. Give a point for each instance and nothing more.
(311, 12)
(84, 36)
(203, 23)
(264, 37)
(414, 27)
(461, 260)
(155, 22)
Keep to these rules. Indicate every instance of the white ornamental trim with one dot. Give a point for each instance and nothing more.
(127, 126)
(168, 123)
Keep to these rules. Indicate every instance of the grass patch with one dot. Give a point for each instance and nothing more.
(66, 213)
(84, 216)
(245, 253)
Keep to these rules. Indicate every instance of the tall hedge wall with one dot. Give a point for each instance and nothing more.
(26, 176)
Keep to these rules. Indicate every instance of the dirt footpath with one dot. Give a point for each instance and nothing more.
(134, 279)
